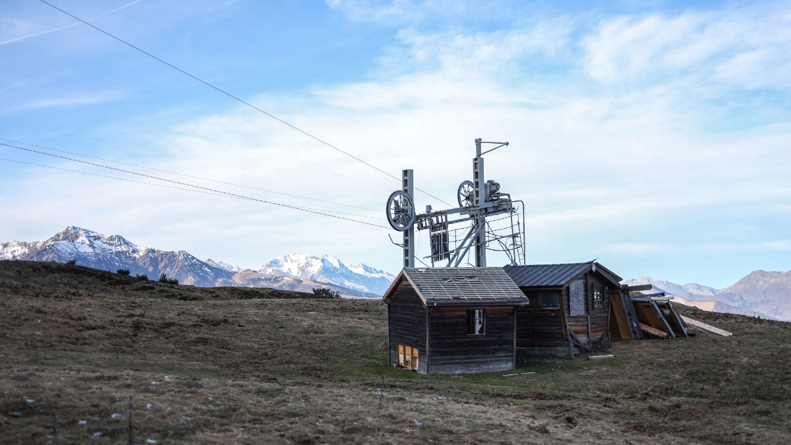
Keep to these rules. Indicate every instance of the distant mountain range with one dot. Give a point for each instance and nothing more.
(760, 293)
(301, 272)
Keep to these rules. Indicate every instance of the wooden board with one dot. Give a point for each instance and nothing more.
(652, 331)
(705, 327)
(673, 318)
(619, 324)
(649, 314)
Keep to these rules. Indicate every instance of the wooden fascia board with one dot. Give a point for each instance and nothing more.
(414, 286)
(539, 288)
(393, 287)
(477, 304)
(610, 275)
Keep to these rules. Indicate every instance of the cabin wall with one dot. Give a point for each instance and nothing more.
(406, 316)
(539, 330)
(594, 325)
(453, 351)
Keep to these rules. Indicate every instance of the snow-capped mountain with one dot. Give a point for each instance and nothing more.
(113, 252)
(223, 265)
(328, 269)
(691, 291)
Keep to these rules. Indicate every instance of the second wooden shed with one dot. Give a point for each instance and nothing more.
(569, 307)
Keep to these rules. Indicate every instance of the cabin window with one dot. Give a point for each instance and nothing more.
(476, 322)
(577, 298)
(549, 299)
(598, 299)
(408, 357)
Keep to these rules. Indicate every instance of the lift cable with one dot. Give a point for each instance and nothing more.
(234, 195)
(190, 176)
(157, 185)
(108, 176)
(240, 100)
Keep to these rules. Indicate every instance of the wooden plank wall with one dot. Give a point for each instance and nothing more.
(537, 328)
(594, 325)
(454, 352)
(407, 324)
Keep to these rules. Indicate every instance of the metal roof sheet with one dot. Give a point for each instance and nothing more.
(553, 274)
(462, 286)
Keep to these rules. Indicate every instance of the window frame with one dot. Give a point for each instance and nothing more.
(557, 293)
(408, 357)
(598, 298)
(472, 316)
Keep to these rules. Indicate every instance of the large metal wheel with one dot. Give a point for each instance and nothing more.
(400, 211)
(466, 194)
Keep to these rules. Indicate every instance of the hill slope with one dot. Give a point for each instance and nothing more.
(231, 365)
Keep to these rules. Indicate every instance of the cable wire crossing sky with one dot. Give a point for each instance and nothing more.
(653, 138)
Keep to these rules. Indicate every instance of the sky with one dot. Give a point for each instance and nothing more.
(652, 136)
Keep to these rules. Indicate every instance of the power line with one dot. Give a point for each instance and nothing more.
(108, 176)
(191, 176)
(304, 209)
(240, 100)
(158, 185)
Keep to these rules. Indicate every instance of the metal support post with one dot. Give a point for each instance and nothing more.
(409, 235)
(479, 184)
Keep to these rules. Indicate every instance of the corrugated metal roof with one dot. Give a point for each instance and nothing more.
(462, 286)
(553, 274)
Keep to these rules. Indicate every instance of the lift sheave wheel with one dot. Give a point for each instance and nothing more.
(400, 211)
(466, 194)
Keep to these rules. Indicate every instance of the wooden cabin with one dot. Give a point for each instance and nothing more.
(568, 309)
(453, 320)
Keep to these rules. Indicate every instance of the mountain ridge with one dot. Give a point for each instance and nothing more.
(760, 293)
(113, 252)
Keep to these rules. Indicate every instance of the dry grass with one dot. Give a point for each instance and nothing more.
(251, 366)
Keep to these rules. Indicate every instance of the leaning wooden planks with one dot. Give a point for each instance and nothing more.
(649, 330)
(705, 327)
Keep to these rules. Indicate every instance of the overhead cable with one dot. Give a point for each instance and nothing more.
(156, 185)
(240, 100)
(234, 195)
(191, 176)
(108, 176)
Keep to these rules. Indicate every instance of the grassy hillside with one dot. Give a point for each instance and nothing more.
(230, 365)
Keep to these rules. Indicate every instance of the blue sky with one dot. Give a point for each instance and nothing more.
(653, 136)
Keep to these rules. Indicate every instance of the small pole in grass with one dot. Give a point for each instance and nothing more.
(129, 427)
(378, 409)
(55, 418)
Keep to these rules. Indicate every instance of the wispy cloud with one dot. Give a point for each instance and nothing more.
(410, 11)
(745, 47)
(18, 25)
(778, 245)
(69, 101)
